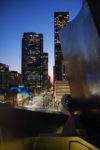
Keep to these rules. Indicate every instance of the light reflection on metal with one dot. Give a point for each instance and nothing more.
(80, 43)
(61, 143)
(48, 143)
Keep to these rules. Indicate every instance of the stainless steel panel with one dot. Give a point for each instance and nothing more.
(80, 43)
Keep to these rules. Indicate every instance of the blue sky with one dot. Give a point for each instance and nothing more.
(19, 16)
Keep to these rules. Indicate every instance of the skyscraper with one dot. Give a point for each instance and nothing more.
(4, 76)
(45, 70)
(60, 20)
(32, 51)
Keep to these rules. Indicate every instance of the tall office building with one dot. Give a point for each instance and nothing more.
(4, 76)
(60, 20)
(45, 70)
(32, 53)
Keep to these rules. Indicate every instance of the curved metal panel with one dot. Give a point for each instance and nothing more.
(80, 43)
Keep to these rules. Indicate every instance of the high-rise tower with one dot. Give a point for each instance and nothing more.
(32, 51)
(4, 76)
(45, 70)
(60, 20)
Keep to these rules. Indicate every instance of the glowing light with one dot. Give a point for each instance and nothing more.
(21, 88)
(15, 88)
(24, 90)
(76, 112)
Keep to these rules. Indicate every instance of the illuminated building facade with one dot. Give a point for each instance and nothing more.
(4, 76)
(33, 60)
(2, 95)
(61, 88)
(45, 70)
(61, 19)
(15, 78)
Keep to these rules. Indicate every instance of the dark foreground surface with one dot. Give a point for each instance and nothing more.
(88, 119)
(16, 124)
(20, 122)
(19, 125)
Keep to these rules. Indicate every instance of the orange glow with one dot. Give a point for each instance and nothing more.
(51, 76)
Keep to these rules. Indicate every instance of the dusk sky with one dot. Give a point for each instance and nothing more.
(19, 16)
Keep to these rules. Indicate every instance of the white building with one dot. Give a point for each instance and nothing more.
(61, 88)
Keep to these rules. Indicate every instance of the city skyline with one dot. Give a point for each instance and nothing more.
(18, 17)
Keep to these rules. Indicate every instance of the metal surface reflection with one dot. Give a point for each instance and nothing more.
(80, 42)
